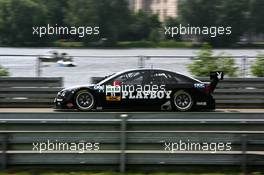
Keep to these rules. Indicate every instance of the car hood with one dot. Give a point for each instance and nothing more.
(90, 86)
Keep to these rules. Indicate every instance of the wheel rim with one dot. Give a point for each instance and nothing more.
(183, 101)
(85, 100)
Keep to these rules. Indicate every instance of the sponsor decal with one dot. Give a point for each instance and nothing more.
(201, 103)
(113, 93)
(199, 85)
(117, 92)
(220, 75)
(217, 75)
(99, 88)
(113, 98)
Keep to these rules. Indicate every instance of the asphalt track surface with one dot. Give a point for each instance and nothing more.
(49, 110)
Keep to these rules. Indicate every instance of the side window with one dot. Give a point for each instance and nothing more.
(131, 78)
(163, 78)
(183, 79)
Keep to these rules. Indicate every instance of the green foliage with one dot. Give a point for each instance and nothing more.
(56, 11)
(136, 44)
(118, 23)
(112, 17)
(17, 17)
(207, 63)
(227, 13)
(141, 26)
(155, 36)
(257, 68)
(173, 22)
(41, 172)
(256, 18)
(3, 71)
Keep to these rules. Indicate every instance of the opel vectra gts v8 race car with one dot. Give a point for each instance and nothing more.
(147, 89)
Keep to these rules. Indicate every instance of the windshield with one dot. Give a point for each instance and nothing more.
(106, 78)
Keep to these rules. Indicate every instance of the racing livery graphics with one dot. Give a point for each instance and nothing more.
(138, 92)
(142, 89)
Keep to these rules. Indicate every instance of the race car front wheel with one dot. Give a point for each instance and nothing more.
(182, 101)
(84, 100)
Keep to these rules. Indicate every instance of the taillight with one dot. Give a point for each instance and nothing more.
(208, 88)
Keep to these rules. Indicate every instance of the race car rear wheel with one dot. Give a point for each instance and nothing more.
(84, 100)
(182, 101)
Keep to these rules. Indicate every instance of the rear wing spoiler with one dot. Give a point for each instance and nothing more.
(215, 77)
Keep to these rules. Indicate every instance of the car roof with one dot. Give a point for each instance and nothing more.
(140, 69)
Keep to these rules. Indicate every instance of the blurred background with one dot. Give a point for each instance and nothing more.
(131, 35)
(123, 21)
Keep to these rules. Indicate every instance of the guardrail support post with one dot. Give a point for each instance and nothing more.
(244, 153)
(38, 67)
(3, 147)
(244, 66)
(142, 61)
(123, 143)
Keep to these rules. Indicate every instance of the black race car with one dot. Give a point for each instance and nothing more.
(142, 89)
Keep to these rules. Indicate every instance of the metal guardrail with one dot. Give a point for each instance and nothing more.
(133, 141)
(29, 91)
(239, 93)
(234, 92)
(40, 92)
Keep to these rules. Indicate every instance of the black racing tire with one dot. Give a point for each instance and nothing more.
(84, 100)
(182, 101)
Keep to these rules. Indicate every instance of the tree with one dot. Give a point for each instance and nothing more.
(81, 13)
(227, 13)
(172, 22)
(256, 17)
(113, 17)
(142, 26)
(257, 68)
(17, 17)
(3, 71)
(155, 35)
(207, 63)
(56, 11)
(199, 12)
(234, 14)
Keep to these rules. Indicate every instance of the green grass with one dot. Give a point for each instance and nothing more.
(67, 44)
(129, 44)
(136, 44)
(150, 44)
(111, 173)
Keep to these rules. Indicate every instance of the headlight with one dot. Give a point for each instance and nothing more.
(61, 94)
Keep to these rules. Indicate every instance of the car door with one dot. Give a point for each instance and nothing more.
(123, 90)
(166, 82)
